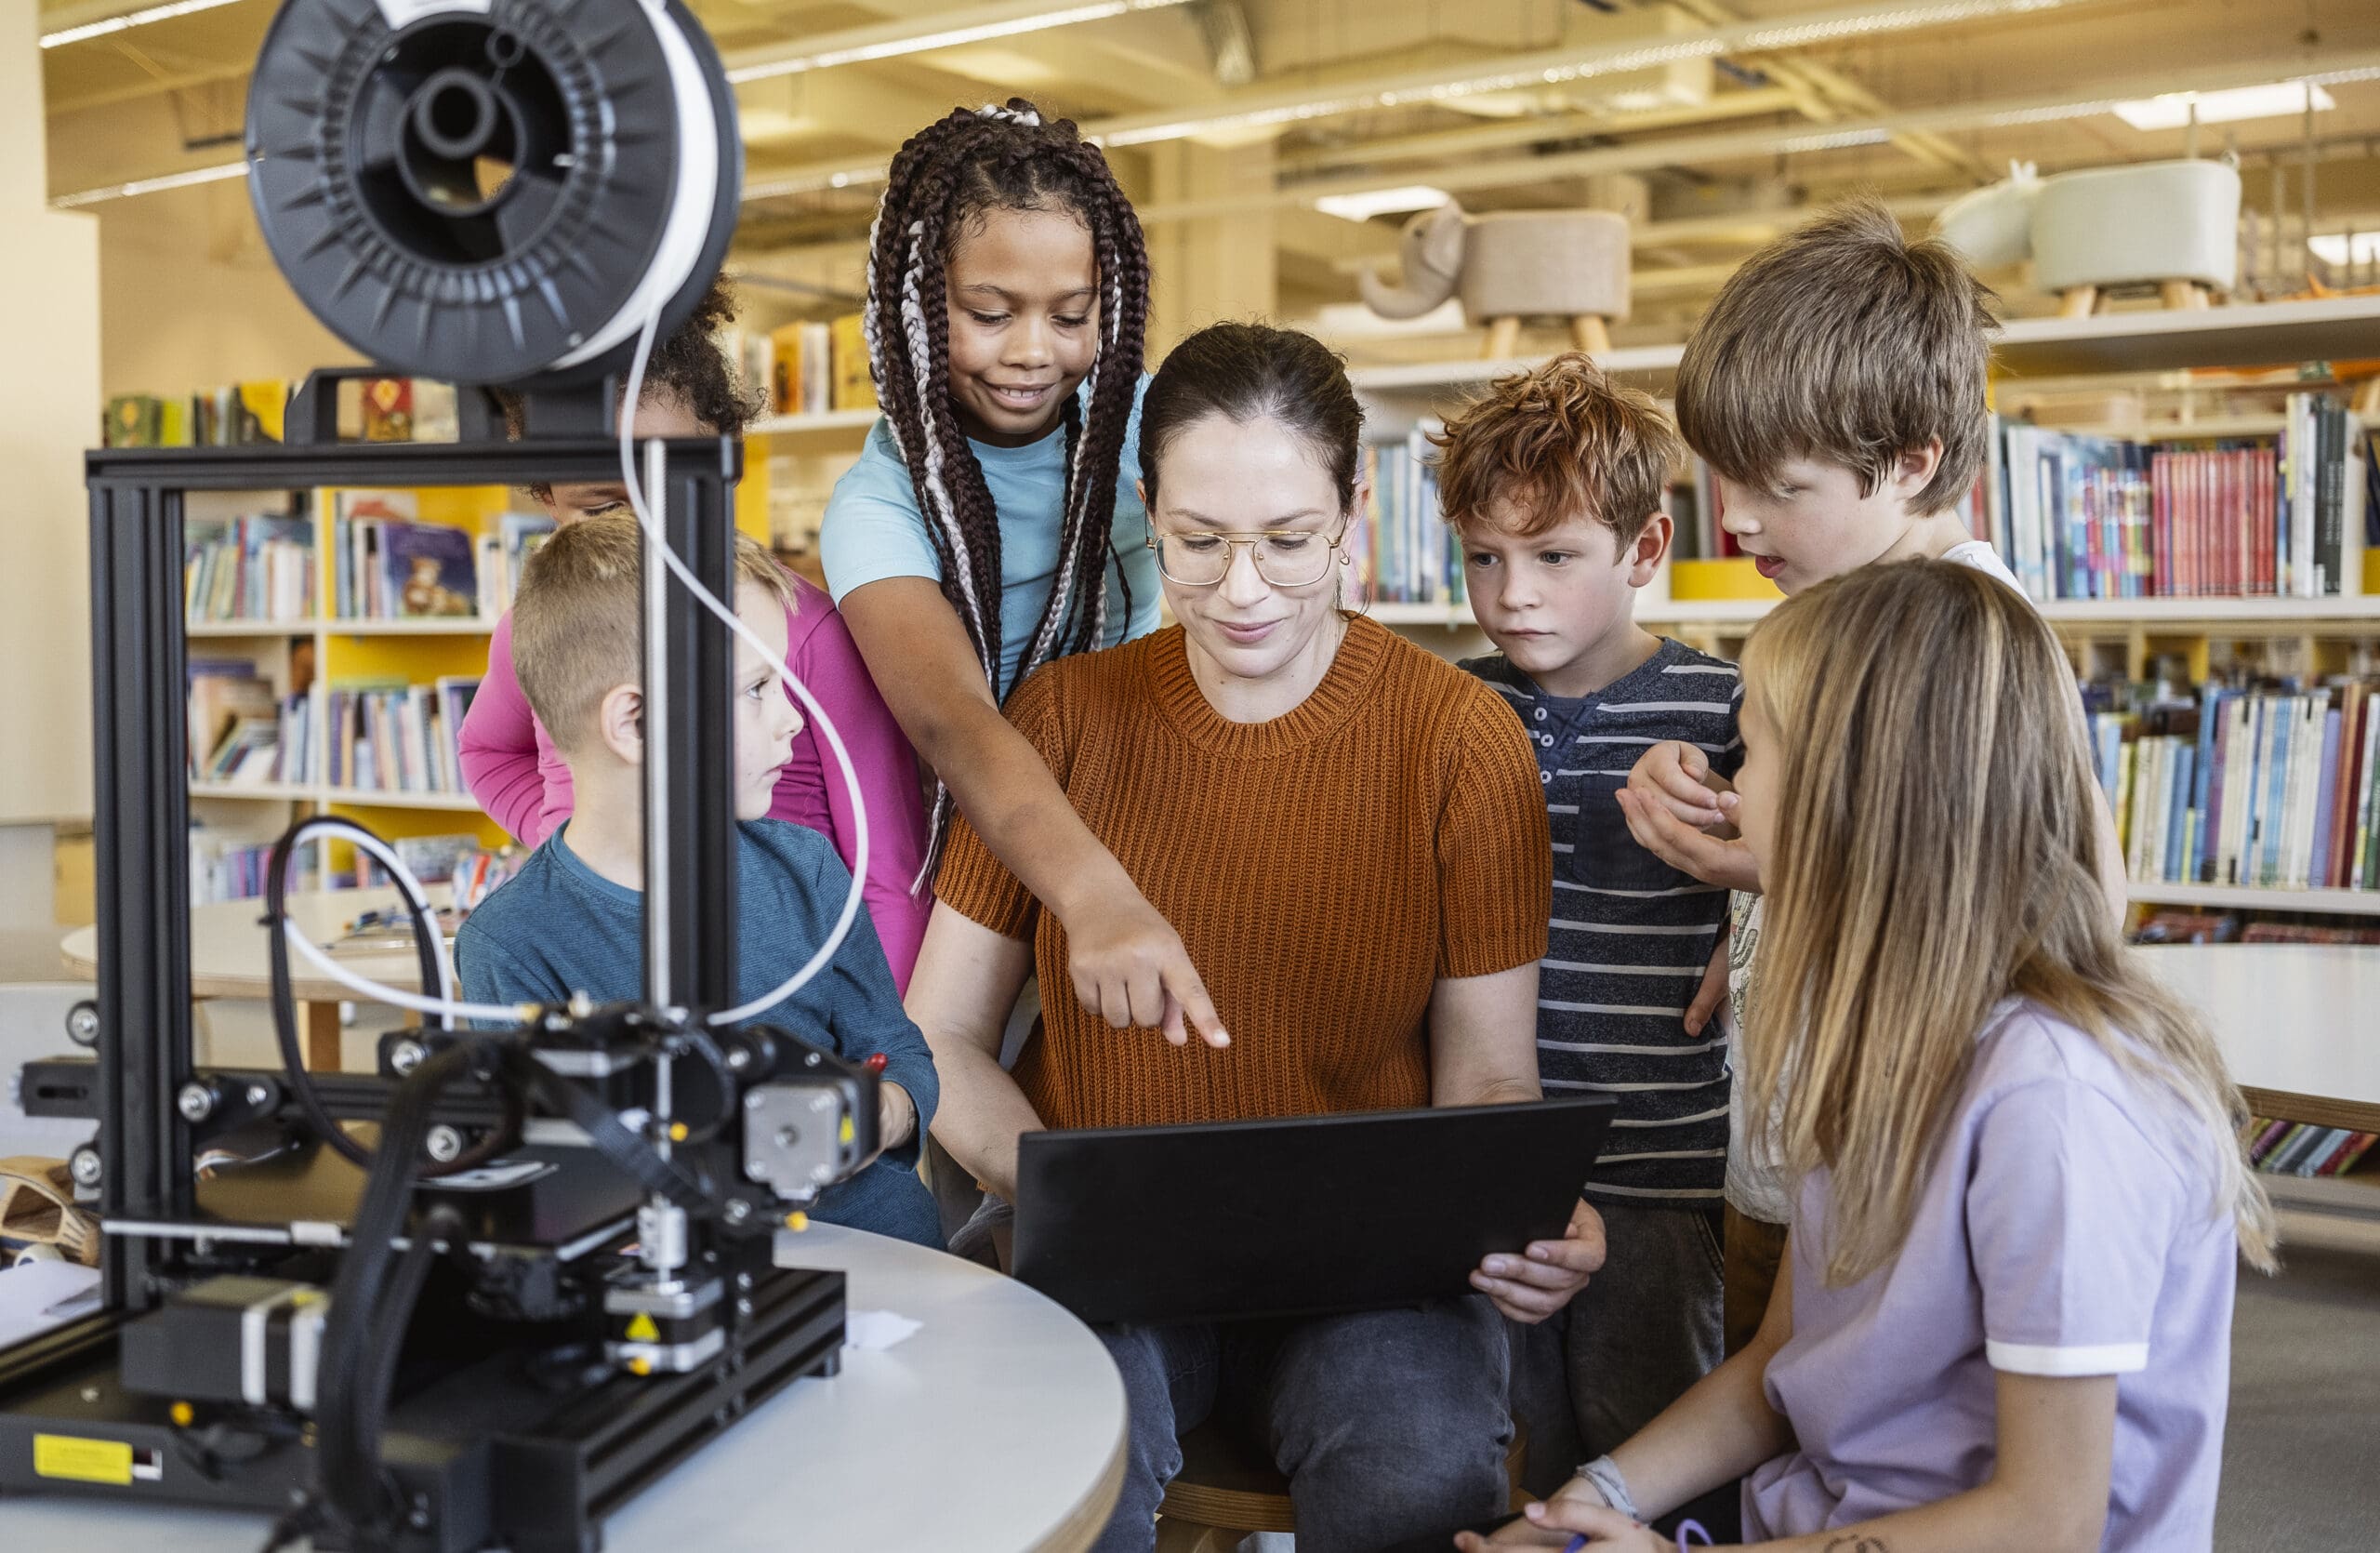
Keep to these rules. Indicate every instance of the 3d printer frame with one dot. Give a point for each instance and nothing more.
(629, 1430)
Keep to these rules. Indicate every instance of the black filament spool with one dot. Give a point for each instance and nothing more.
(479, 194)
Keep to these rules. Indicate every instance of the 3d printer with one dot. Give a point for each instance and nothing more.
(490, 1292)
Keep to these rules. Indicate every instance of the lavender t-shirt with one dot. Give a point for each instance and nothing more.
(2067, 1227)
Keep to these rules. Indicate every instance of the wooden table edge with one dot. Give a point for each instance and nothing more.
(2315, 1110)
(1083, 1525)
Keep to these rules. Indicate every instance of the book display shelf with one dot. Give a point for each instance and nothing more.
(2176, 643)
(288, 693)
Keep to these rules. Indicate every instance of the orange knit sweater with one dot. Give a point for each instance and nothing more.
(1323, 869)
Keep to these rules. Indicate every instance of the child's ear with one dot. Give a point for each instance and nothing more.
(1644, 557)
(619, 720)
(1141, 489)
(1913, 471)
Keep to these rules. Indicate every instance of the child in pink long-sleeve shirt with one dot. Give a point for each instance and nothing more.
(510, 762)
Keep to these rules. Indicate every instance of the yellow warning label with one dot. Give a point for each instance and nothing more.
(641, 1330)
(82, 1461)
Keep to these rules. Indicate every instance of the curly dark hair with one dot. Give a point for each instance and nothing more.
(689, 368)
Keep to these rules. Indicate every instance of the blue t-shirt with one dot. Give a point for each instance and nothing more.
(558, 927)
(872, 530)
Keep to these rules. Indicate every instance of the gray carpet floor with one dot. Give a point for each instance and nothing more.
(2301, 1459)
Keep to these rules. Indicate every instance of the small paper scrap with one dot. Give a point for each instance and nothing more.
(873, 1331)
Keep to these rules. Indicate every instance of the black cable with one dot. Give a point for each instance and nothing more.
(369, 1308)
(285, 1005)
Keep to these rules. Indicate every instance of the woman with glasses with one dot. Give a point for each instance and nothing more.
(1348, 833)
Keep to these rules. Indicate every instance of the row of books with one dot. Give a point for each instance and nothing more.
(230, 416)
(234, 414)
(2274, 788)
(388, 737)
(225, 867)
(1401, 552)
(2181, 925)
(249, 568)
(388, 565)
(2083, 517)
(808, 368)
(232, 713)
(2302, 1148)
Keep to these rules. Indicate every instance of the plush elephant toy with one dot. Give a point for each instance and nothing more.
(2174, 225)
(1510, 265)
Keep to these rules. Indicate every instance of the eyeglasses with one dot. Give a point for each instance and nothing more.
(1286, 557)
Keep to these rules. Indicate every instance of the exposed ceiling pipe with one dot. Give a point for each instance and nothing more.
(1285, 106)
(1687, 149)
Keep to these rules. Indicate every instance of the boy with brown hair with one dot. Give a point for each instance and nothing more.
(1836, 388)
(572, 920)
(1553, 485)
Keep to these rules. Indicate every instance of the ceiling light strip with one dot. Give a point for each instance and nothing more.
(152, 185)
(129, 20)
(981, 24)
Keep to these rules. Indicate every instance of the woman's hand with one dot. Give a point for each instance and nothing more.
(1129, 968)
(1576, 1509)
(1541, 1279)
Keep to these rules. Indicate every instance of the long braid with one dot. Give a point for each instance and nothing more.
(947, 173)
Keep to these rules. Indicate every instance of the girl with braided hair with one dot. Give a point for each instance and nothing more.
(990, 524)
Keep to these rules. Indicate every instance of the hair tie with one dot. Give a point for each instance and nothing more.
(1013, 116)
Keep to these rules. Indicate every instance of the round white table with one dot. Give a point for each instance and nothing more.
(997, 1428)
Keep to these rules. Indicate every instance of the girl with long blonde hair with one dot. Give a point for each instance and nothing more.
(2004, 1318)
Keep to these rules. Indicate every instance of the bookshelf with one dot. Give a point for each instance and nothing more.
(2107, 637)
(850, 425)
(2138, 340)
(323, 652)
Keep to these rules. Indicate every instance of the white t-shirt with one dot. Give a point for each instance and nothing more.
(1756, 1185)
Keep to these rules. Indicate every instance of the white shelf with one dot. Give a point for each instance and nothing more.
(2182, 612)
(825, 423)
(1407, 378)
(2200, 430)
(1715, 612)
(435, 626)
(2175, 614)
(262, 792)
(1452, 616)
(247, 627)
(2255, 334)
(442, 626)
(2345, 903)
(459, 802)
(283, 792)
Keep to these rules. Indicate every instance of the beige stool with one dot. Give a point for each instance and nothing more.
(1227, 1489)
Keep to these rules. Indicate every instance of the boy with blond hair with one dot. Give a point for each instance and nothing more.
(572, 920)
(1554, 484)
(1836, 388)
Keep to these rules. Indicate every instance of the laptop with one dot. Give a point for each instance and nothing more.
(1294, 1215)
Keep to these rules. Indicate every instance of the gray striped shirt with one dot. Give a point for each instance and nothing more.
(1631, 935)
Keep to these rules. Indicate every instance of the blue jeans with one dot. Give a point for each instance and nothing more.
(1630, 1343)
(1388, 1423)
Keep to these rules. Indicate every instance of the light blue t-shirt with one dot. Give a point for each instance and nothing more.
(872, 530)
